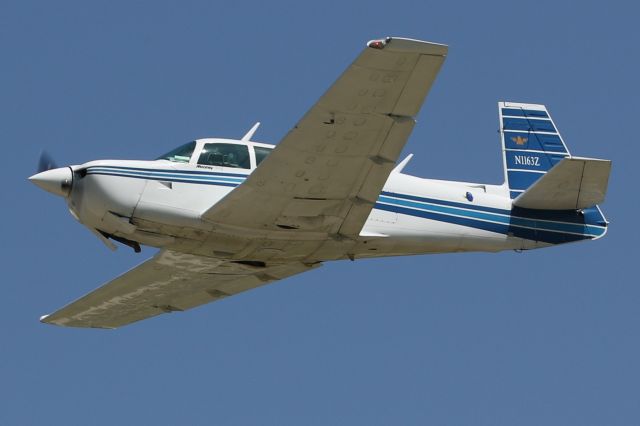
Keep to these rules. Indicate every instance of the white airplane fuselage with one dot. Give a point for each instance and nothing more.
(160, 203)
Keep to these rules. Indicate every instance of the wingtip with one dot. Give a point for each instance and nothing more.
(402, 44)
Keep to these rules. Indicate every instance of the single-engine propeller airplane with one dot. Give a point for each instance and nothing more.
(231, 215)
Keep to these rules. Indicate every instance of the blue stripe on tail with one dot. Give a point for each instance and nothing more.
(531, 144)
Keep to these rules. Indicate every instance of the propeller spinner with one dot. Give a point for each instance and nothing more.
(51, 178)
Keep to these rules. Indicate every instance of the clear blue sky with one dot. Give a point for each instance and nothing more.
(544, 337)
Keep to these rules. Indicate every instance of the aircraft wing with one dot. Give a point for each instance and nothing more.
(167, 282)
(327, 172)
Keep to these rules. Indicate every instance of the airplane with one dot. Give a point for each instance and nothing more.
(231, 215)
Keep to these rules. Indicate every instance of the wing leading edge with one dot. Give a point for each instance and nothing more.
(167, 282)
(327, 172)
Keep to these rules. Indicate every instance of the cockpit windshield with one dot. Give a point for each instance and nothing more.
(182, 154)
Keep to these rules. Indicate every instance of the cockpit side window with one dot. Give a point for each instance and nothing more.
(182, 154)
(261, 153)
(225, 155)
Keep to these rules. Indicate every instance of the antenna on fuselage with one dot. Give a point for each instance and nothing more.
(250, 133)
(402, 164)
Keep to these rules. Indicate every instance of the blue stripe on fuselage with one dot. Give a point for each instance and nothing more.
(194, 172)
(548, 226)
(165, 175)
(221, 179)
(570, 216)
(526, 233)
(444, 202)
(504, 219)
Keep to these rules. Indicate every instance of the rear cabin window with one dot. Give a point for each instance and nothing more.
(181, 154)
(261, 153)
(225, 155)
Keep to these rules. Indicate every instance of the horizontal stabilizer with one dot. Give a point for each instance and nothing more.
(573, 183)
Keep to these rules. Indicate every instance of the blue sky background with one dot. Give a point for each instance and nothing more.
(543, 337)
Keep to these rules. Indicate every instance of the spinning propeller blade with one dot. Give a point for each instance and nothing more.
(46, 162)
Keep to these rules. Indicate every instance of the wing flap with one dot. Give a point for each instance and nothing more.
(573, 183)
(168, 282)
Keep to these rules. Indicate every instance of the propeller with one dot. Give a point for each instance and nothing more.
(60, 180)
(46, 162)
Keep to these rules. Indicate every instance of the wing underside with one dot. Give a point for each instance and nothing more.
(327, 172)
(168, 282)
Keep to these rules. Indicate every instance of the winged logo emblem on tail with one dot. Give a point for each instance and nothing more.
(519, 140)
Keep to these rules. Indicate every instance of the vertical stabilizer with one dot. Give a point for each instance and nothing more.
(531, 144)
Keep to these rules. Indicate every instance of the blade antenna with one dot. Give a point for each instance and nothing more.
(249, 135)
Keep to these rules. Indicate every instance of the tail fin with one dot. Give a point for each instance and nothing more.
(531, 144)
(539, 171)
